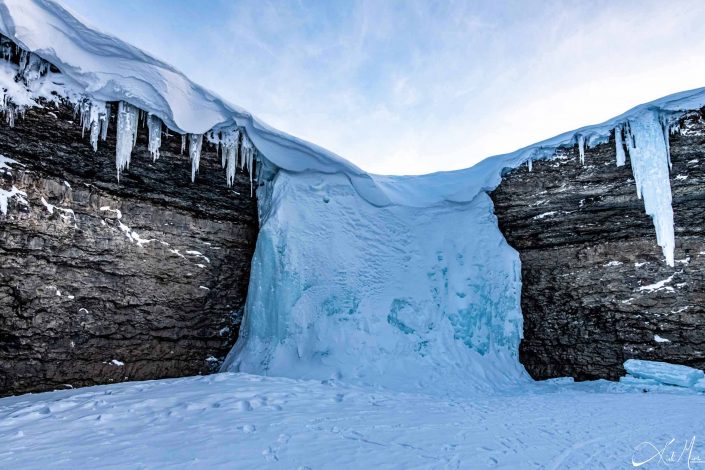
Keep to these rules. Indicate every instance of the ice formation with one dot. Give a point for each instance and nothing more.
(649, 157)
(32, 66)
(93, 117)
(195, 142)
(581, 148)
(230, 153)
(127, 121)
(663, 372)
(699, 385)
(247, 158)
(619, 146)
(372, 278)
(104, 122)
(398, 296)
(631, 380)
(154, 126)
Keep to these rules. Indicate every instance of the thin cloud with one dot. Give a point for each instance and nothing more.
(410, 87)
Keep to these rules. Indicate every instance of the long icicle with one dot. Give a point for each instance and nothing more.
(231, 150)
(619, 146)
(104, 122)
(581, 149)
(649, 157)
(126, 132)
(154, 130)
(247, 157)
(195, 144)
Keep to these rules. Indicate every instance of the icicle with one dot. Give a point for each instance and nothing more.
(84, 112)
(665, 126)
(183, 143)
(105, 118)
(619, 146)
(10, 115)
(530, 163)
(91, 115)
(221, 146)
(24, 57)
(631, 144)
(126, 131)
(5, 48)
(649, 156)
(33, 67)
(247, 157)
(95, 119)
(231, 149)
(581, 149)
(194, 150)
(154, 126)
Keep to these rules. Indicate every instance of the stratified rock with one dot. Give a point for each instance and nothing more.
(103, 282)
(596, 289)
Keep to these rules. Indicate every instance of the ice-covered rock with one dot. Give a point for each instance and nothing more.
(663, 372)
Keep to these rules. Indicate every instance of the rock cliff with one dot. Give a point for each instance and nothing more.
(103, 281)
(596, 289)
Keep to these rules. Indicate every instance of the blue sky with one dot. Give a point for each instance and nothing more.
(408, 87)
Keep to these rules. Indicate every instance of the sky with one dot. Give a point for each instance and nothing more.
(416, 86)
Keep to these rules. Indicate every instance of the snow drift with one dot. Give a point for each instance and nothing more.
(403, 281)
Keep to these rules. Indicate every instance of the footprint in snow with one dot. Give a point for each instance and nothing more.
(249, 428)
(270, 455)
(243, 405)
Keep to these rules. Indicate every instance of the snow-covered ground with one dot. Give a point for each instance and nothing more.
(246, 421)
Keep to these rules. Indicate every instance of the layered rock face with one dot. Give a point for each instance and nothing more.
(103, 281)
(596, 289)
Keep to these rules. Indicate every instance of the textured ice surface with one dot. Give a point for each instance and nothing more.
(700, 385)
(663, 372)
(399, 296)
(631, 380)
